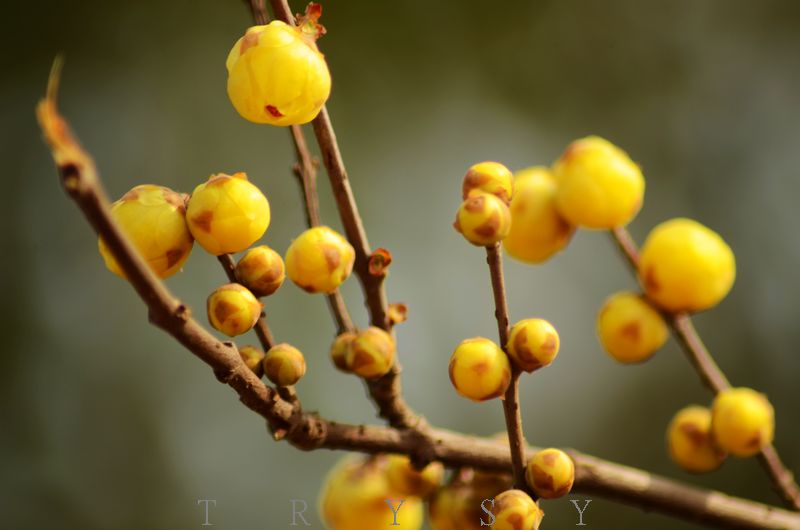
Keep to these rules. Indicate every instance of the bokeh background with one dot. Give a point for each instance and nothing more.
(108, 423)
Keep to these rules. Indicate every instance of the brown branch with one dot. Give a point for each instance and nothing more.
(306, 172)
(710, 373)
(511, 408)
(79, 178)
(261, 328)
(307, 431)
(386, 391)
(595, 476)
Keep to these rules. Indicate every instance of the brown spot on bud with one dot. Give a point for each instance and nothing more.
(490, 227)
(273, 111)
(475, 204)
(549, 345)
(480, 368)
(360, 360)
(249, 40)
(174, 256)
(549, 458)
(542, 479)
(472, 180)
(516, 520)
(218, 180)
(632, 331)
(693, 433)
(332, 257)
(131, 195)
(223, 310)
(203, 220)
(650, 281)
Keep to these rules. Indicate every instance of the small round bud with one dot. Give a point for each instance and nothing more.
(252, 357)
(153, 217)
(537, 229)
(261, 270)
(371, 353)
(515, 510)
(690, 443)
(407, 480)
(489, 177)
(550, 473)
(533, 343)
(479, 369)
(320, 260)
(233, 310)
(483, 219)
(284, 365)
(276, 75)
(354, 495)
(629, 328)
(685, 266)
(339, 348)
(227, 214)
(599, 186)
(742, 421)
(460, 505)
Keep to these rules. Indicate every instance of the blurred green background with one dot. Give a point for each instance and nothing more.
(108, 423)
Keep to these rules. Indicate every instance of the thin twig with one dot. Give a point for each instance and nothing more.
(386, 391)
(261, 328)
(511, 408)
(308, 431)
(711, 375)
(306, 172)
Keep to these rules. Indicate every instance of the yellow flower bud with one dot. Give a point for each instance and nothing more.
(354, 497)
(408, 481)
(371, 353)
(550, 473)
(253, 358)
(276, 75)
(629, 328)
(489, 177)
(479, 369)
(537, 229)
(153, 217)
(599, 186)
(261, 270)
(515, 510)
(284, 365)
(533, 343)
(320, 260)
(684, 266)
(339, 348)
(742, 421)
(690, 443)
(227, 214)
(459, 505)
(233, 310)
(483, 219)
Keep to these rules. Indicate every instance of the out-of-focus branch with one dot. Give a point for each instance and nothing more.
(710, 373)
(511, 409)
(307, 431)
